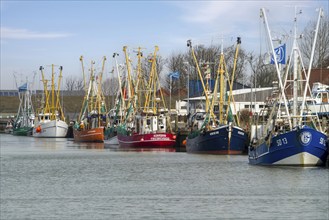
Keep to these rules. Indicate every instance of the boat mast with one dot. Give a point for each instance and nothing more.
(85, 101)
(58, 104)
(92, 87)
(129, 77)
(83, 74)
(154, 75)
(311, 61)
(221, 72)
(151, 87)
(295, 73)
(31, 93)
(263, 14)
(130, 89)
(46, 94)
(20, 108)
(52, 116)
(189, 44)
(238, 41)
(139, 73)
(25, 115)
(100, 95)
(122, 104)
(129, 80)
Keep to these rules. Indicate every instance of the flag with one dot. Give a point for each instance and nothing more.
(22, 88)
(280, 53)
(174, 75)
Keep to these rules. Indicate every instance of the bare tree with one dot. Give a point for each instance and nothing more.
(110, 89)
(69, 83)
(73, 83)
(240, 72)
(177, 63)
(147, 65)
(79, 84)
(321, 55)
(208, 58)
(263, 74)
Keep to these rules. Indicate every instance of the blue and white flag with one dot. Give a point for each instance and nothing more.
(174, 75)
(22, 88)
(280, 53)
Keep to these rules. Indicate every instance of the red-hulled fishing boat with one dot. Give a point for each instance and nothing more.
(146, 125)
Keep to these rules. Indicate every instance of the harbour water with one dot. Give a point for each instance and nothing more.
(61, 179)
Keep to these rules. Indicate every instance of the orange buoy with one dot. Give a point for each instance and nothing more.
(38, 129)
(184, 142)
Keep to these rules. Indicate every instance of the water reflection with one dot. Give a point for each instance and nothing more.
(86, 145)
(48, 143)
(117, 148)
(74, 182)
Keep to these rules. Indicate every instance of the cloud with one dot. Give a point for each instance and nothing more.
(11, 33)
(206, 12)
(226, 19)
(227, 13)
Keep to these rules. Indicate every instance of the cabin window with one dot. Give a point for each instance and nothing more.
(148, 121)
(325, 97)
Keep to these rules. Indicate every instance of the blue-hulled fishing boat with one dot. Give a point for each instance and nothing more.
(216, 133)
(292, 134)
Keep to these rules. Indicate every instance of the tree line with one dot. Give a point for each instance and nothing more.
(252, 69)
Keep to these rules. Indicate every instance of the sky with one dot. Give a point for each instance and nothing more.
(41, 33)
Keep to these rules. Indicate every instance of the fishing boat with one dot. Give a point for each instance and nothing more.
(318, 103)
(116, 114)
(216, 133)
(24, 122)
(9, 127)
(146, 124)
(291, 135)
(50, 120)
(92, 120)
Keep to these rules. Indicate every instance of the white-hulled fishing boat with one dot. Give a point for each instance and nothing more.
(50, 120)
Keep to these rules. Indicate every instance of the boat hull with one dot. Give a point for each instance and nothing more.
(8, 131)
(89, 135)
(218, 142)
(50, 129)
(22, 131)
(300, 147)
(153, 141)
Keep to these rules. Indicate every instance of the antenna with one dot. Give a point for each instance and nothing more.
(189, 43)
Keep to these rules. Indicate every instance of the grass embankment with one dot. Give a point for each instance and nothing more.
(70, 104)
(10, 104)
